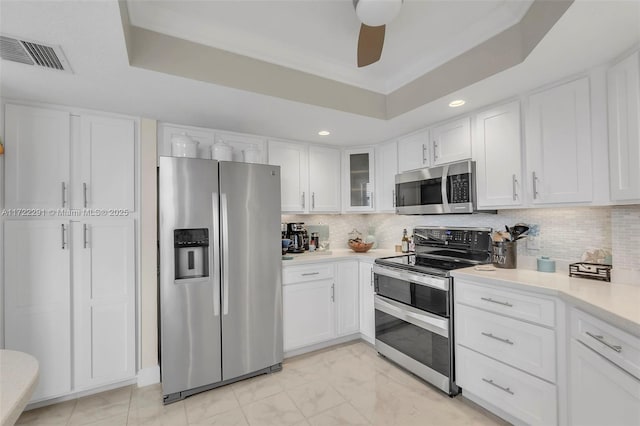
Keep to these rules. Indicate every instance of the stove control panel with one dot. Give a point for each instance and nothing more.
(474, 239)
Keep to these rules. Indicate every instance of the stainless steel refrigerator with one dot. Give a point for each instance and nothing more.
(220, 273)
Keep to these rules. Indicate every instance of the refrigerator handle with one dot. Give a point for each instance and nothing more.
(216, 255)
(225, 253)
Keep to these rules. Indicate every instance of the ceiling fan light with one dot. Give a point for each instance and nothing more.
(377, 12)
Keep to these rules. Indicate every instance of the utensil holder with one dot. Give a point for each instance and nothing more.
(505, 254)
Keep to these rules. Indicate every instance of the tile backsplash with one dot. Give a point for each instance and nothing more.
(565, 233)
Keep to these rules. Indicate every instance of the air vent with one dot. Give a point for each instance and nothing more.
(33, 53)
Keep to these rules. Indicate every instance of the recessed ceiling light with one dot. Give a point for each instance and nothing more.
(457, 103)
(324, 133)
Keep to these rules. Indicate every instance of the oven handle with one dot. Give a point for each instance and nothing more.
(425, 320)
(425, 280)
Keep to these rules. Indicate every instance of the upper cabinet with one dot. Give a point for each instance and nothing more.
(294, 174)
(413, 151)
(37, 144)
(324, 179)
(39, 171)
(497, 152)
(386, 170)
(451, 141)
(310, 177)
(624, 128)
(558, 144)
(358, 180)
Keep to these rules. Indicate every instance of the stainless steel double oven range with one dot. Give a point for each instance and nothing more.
(414, 300)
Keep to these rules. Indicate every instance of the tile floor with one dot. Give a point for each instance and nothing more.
(345, 385)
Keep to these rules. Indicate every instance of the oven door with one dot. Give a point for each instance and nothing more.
(424, 292)
(416, 340)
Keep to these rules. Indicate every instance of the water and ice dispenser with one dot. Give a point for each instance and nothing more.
(191, 248)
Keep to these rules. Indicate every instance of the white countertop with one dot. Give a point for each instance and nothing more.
(337, 254)
(616, 303)
(18, 379)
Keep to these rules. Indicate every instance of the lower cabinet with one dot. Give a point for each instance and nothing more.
(320, 303)
(367, 310)
(70, 300)
(604, 373)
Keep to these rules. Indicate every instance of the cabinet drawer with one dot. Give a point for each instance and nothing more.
(619, 347)
(523, 396)
(511, 303)
(529, 347)
(304, 273)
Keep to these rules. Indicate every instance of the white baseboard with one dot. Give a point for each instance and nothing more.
(149, 376)
(321, 345)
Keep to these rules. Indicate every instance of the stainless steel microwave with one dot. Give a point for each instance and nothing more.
(445, 189)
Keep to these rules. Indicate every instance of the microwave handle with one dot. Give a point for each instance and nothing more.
(444, 189)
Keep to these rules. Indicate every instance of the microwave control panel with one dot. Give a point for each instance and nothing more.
(459, 188)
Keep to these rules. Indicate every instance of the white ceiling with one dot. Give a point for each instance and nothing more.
(90, 32)
(320, 37)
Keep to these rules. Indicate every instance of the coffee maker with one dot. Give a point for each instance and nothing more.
(297, 233)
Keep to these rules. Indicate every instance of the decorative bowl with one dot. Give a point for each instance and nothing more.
(360, 247)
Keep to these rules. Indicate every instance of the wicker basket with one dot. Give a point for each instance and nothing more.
(360, 247)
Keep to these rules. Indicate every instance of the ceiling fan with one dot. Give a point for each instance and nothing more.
(374, 15)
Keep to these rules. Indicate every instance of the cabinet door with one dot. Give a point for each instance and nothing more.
(107, 163)
(558, 142)
(359, 180)
(624, 128)
(413, 151)
(37, 299)
(386, 170)
(104, 301)
(308, 313)
(37, 157)
(498, 157)
(292, 159)
(599, 392)
(451, 141)
(346, 297)
(324, 179)
(367, 312)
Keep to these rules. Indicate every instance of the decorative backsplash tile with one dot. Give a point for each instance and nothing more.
(565, 233)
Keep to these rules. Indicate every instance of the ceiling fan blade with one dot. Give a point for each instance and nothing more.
(370, 42)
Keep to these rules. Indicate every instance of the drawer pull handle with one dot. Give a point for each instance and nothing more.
(488, 299)
(507, 341)
(604, 342)
(491, 382)
(310, 273)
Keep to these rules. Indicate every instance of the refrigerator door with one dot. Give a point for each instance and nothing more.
(251, 268)
(189, 302)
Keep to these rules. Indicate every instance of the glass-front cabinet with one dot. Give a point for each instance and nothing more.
(358, 179)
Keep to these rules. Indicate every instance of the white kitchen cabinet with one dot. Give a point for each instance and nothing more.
(600, 393)
(506, 353)
(346, 298)
(414, 151)
(42, 172)
(104, 301)
(386, 170)
(558, 144)
(497, 152)
(308, 313)
(367, 310)
(624, 128)
(294, 175)
(37, 157)
(451, 141)
(37, 299)
(324, 179)
(107, 153)
(358, 180)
